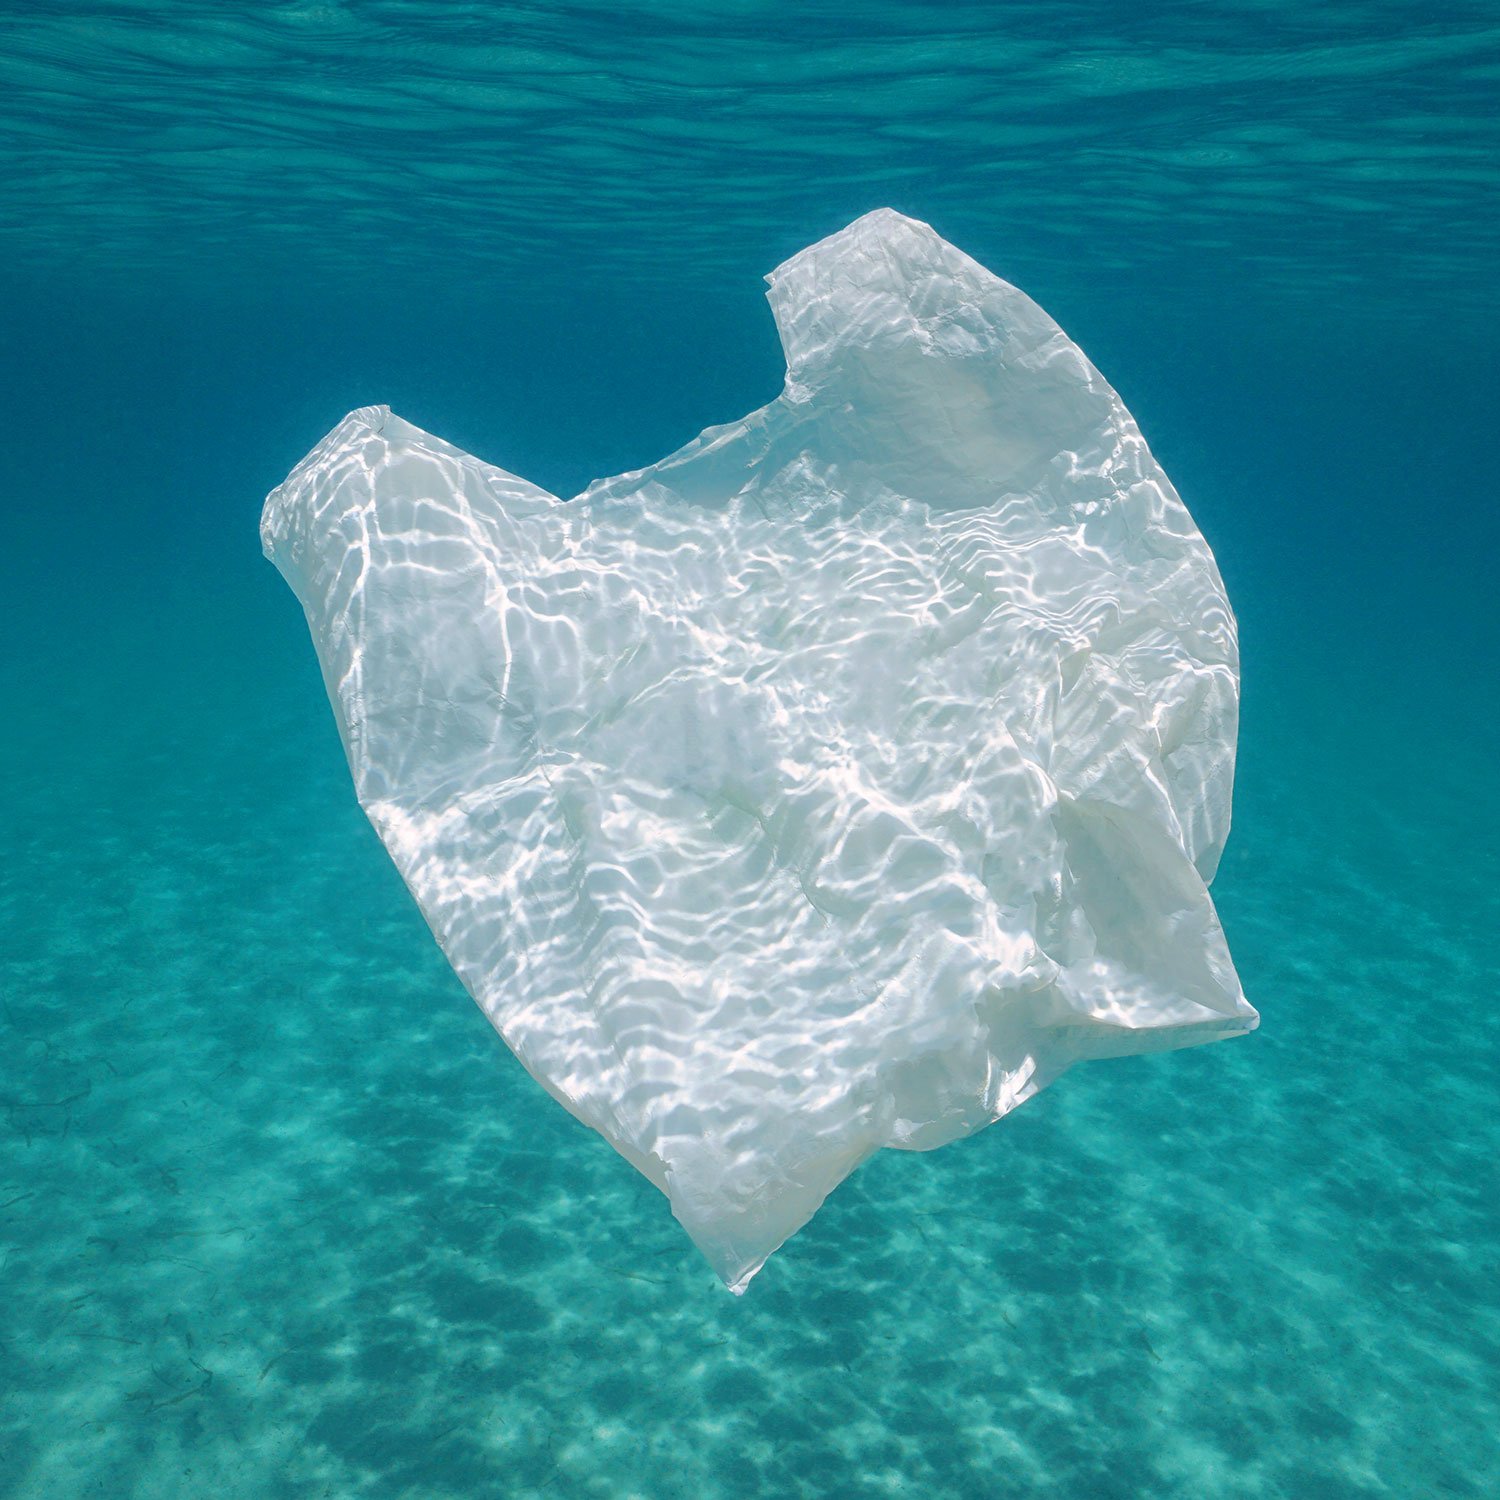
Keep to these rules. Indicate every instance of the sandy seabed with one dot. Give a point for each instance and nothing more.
(280, 1215)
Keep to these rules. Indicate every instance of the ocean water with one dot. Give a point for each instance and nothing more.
(279, 1214)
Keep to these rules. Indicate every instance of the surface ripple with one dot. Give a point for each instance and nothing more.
(1349, 147)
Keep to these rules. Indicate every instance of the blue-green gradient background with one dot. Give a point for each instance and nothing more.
(279, 1215)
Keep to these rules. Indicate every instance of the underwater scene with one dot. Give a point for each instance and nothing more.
(280, 1213)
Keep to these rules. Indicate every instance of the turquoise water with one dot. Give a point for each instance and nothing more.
(279, 1215)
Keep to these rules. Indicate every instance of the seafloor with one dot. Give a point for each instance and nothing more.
(279, 1215)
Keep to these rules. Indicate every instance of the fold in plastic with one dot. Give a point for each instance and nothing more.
(834, 783)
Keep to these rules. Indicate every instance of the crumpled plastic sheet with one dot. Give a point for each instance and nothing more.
(834, 783)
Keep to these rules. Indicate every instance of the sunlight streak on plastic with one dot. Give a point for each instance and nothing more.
(833, 784)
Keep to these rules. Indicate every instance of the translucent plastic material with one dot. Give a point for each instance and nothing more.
(833, 784)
